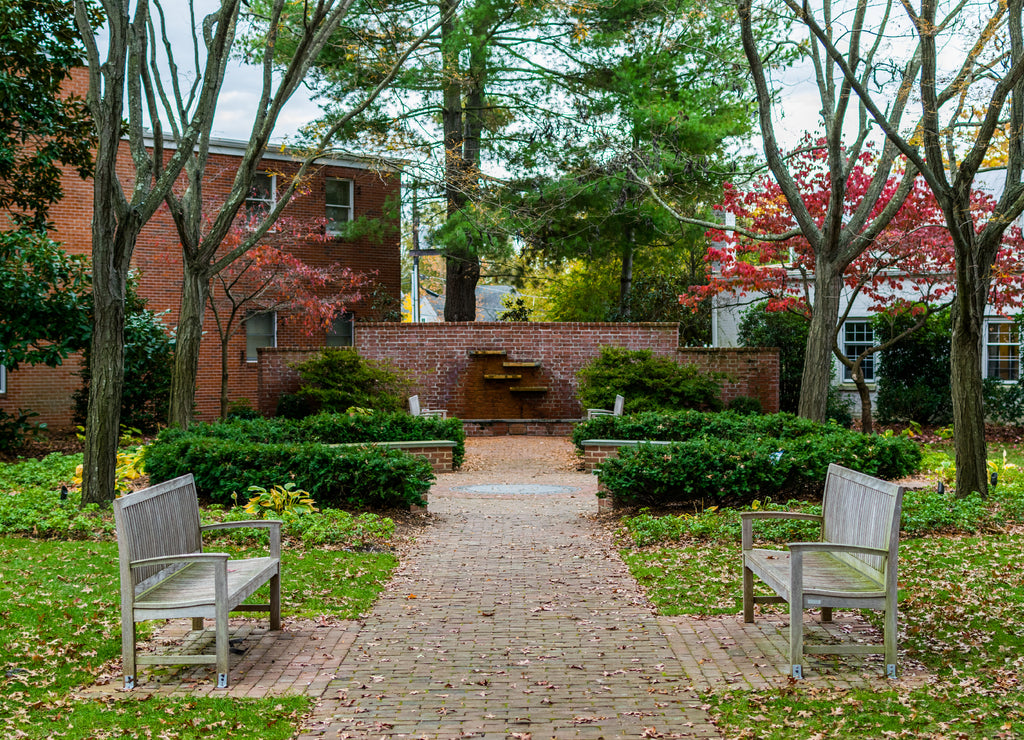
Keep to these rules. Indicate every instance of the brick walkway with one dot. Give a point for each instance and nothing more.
(512, 618)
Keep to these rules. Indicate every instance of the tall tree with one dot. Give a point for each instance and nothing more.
(966, 99)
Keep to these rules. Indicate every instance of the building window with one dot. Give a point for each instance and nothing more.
(260, 331)
(262, 195)
(857, 337)
(343, 331)
(1003, 351)
(338, 205)
(3, 379)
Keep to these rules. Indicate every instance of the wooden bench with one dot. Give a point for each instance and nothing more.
(416, 410)
(853, 566)
(616, 409)
(165, 574)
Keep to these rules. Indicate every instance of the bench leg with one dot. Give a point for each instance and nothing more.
(890, 627)
(222, 645)
(275, 602)
(826, 614)
(197, 623)
(796, 616)
(748, 595)
(128, 650)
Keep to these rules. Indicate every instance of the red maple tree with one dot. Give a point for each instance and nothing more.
(908, 267)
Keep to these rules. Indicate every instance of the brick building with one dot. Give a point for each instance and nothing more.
(335, 191)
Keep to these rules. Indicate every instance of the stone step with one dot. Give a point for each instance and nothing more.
(525, 363)
(487, 353)
(502, 377)
(529, 389)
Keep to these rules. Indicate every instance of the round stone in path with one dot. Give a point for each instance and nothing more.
(515, 488)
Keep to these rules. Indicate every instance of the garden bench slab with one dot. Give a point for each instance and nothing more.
(853, 566)
(165, 574)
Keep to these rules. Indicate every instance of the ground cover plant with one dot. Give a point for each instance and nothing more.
(734, 459)
(59, 604)
(961, 589)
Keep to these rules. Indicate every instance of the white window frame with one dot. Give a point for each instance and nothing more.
(1012, 358)
(264, 205)
(348, 208)
(347, 317)
(869, 366)
(3, 379)
(272, 336)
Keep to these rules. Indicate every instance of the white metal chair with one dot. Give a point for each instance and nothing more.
(415, 410)
(620, 402)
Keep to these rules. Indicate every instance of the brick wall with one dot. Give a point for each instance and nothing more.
(752, 371)
(446, 373)
(157, 258)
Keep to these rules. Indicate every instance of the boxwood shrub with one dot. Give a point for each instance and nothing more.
(330, 428)
(730, 459)
(348, 478)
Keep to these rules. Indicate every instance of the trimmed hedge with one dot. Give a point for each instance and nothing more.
(731, 459)
(349, 478)
(328, 428)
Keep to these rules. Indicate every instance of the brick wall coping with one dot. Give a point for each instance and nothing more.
(731, 350)
(399, 445)
(573, 420)
(622, 442)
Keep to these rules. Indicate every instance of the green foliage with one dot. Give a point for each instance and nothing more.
(241, 408)
(733, 459)
(745, 405)
(30, 501)
(787, 331)
(148, 362)
(925, 512)
(647, 382)
(278, 500)
(337, 429)
(515, 309)
(45, 292)
(338, 378)
(905, 391)
(40, 129)
(349, 477)
(1004, 402)
(329, 528)
(16, 428)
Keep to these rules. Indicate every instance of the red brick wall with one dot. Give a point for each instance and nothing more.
(446, 375)
(752, 371)
(157, 258)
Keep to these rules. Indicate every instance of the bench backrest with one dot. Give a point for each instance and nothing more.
(155, 522)
(414, 405)
(859, 509)
(620, 404)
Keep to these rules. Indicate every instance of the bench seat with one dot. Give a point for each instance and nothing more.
(192, 587)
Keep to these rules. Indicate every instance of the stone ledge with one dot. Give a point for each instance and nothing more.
(438, 452)
(596, 451)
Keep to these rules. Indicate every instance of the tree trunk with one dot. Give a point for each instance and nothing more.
(224, 377)
(463, 273)
(968, 406)
(195, 290)
(817, 373)
(866, 420)
(626, 277)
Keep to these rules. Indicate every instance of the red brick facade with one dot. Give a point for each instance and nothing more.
(448, 364)
(157, 258)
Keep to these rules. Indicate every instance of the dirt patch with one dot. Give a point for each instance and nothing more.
(515, 454)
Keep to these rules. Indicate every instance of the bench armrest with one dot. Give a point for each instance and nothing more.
(798, 548)
(188, 557)
(274, 525)
(747, 521)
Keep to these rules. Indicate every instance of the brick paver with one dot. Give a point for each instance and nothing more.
(512, 617)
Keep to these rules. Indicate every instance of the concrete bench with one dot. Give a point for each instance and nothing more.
(853, 566)
(166, 575)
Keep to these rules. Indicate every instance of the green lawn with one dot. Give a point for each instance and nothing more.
(60, 611)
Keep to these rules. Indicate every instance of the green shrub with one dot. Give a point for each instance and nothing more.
(337, 379)
(728, 459)
(926, 511)
(16, 428)
(745, 405)
(787, 331)
(1004, 402)
(905, 393)
(330, 528)
(351, 477)
(648, 383)
(331, 428)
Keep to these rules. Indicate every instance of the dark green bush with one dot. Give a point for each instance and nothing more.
(338, 379)
(349, 478)
(1004, 402)
(905, 393)
(648, 383)
(787, 331)
(336, 429)
(733, 459)
(16, 428)
(745, 405)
